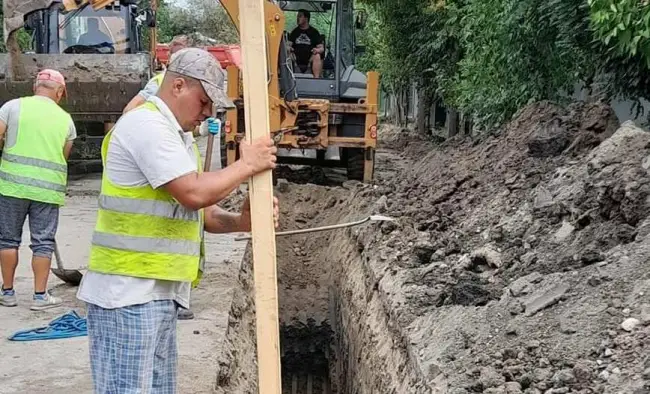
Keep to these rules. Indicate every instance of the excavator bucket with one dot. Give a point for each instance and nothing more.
(97, 86)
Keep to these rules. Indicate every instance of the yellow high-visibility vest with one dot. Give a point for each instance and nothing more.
(144, 232)
(159, 78)
(34, 167)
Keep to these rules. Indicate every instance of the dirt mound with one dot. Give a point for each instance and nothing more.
(492, 234)
(307, 175)
(517, 263)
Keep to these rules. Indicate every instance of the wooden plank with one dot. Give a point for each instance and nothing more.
(256, 111)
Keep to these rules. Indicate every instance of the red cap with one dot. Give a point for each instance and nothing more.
(51, 75)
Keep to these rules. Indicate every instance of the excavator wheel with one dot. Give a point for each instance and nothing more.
(354, 160)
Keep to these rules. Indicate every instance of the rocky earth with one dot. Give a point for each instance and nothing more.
(517, 262)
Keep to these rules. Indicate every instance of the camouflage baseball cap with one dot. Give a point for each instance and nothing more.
(200, 64)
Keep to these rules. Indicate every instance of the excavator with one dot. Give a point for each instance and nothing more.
(97, 45)
(325, 120)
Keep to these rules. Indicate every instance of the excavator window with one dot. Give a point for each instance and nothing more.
(89, 31)
(323, 19)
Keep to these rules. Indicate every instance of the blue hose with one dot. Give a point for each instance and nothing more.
(69, 325)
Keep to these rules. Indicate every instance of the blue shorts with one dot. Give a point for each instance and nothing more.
(133, 349)
(43, 223)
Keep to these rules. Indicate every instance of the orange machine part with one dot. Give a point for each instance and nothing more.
(226, 54)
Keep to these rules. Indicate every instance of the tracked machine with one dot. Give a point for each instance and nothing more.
(326, 121)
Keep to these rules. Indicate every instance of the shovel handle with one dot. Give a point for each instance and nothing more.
(311, 230)
(57, 256)
(208, 154)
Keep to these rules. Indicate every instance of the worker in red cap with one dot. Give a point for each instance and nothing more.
(37, 136)
(151, 88)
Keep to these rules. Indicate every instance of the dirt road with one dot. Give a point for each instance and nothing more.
(62, 366)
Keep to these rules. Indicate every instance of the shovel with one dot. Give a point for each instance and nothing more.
(72, 277)
(372, 218)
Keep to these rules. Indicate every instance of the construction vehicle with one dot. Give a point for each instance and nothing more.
(327, 121)
(101, 76)
(227, 55)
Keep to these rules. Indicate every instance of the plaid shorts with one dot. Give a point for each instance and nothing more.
(133, 349)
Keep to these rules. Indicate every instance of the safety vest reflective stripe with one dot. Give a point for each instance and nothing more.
(30, 161)
(22, 180)
(161, 209)
(146, 245)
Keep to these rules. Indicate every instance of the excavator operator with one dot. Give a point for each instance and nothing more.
(95, 37)
(307, 45)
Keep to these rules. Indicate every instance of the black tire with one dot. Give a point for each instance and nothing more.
(355, 163)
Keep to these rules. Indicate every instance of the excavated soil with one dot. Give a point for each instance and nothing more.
(517, 263)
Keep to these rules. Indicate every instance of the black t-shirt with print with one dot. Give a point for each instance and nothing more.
(303, 42)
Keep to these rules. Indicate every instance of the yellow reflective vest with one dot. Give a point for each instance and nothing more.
(34, 167)
(159, 78)
(144, 232)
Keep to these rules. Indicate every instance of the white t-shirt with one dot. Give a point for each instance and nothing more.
(146, 147)
(151, 89)
(10, 114)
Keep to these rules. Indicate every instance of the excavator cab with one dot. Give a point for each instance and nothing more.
(325, 120)
(323, 20)
(114, 29)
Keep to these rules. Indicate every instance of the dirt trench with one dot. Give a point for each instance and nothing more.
(336, 336)
(517, 265)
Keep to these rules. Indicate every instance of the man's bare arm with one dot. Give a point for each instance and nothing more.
(196, 191)
(3, 132)
(219, 221)
(67, 149)
(134, 103)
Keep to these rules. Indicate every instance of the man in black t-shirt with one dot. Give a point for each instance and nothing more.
(307, 45)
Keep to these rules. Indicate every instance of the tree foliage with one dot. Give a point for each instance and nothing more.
(487, 59)
(520, 51)
(624, 25)
(205, 17)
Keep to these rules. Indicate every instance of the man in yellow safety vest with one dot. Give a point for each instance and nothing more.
(37, 135)
(151, 88)
(154, 204)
